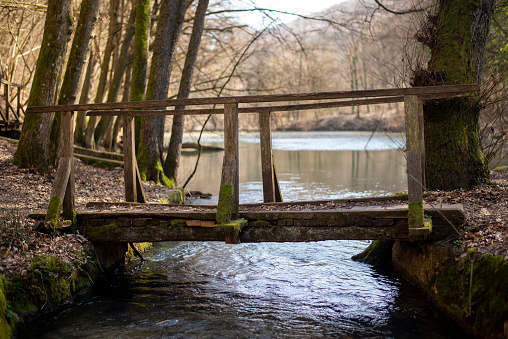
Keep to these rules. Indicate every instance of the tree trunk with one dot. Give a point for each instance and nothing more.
(453, 153)
(175, 144)
(114, 29)
(139, 65)
(33, 148)
(74, 72)
(121, 65)
(125, 97)
(79, 132)
(151, 140)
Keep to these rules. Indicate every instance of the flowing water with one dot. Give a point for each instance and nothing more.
(265, 290)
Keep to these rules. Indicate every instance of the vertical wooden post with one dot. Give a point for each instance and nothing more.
(421, 141)
(129, 159)
(413, 108)
(18, 108)
(67, 144)
(267, 173)
(7, 104)
(278, 194)
(228, 206)
(62, 194)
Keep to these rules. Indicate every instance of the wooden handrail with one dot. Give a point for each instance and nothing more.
(5, 82)
(428, 92)
(227, 209)
(271, 109)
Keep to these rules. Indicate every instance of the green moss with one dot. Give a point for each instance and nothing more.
(175, 197)
(489, 292)
(163, 179)
(104, 232)
(261, 223)
(140, 246)
(54, 207)
(177, 223)
(49, 282)
(232, 230)
(378, 253)
(400, 196)
(453, 153)
(224, 207)
(7, 318)
(415, 214)
(154, 173)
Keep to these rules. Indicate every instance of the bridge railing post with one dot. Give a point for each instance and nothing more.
(67, 144)
(62, 194)
(7, 103)
(415, 157)
(132, 181)
(228, 205)
(271, 188)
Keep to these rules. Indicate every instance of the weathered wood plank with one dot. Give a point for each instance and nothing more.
(429, 90)
(129, 157)
(190, 215)
(278, 192)
(228, 204)
(413, 108)
(265, 139)
(12, 84)
(266, 109)
(67, 151)
(140, 193)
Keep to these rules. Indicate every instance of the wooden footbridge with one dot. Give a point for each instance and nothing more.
(12, 111)
(274, 220)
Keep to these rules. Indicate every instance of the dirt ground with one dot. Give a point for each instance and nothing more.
(23, 191)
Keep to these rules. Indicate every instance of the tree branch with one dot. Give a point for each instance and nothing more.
(409, 11)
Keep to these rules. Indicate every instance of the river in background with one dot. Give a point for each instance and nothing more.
(309, 165)
(265, 290)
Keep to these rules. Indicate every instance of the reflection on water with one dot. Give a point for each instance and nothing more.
(266, 290)
(313, 172)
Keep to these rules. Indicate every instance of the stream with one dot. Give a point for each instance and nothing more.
(264, 290)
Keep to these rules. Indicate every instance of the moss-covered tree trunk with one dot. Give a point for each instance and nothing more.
(175, 143)
(74, 70)
(79, 132)
(34, 148)
(115, 85)
(139, 64)
(452, 148)
(125, 97)
(150, 147)
(113, 32)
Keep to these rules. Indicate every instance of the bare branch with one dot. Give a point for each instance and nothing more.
(409, 11)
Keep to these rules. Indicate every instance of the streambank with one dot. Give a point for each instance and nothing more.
(471, 287)
(50, 281)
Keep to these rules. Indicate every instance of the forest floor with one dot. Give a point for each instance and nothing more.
(24, 191)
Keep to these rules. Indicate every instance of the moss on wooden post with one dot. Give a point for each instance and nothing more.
(415, 214)
(232, 230)
(224, 207)
(54, 208)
